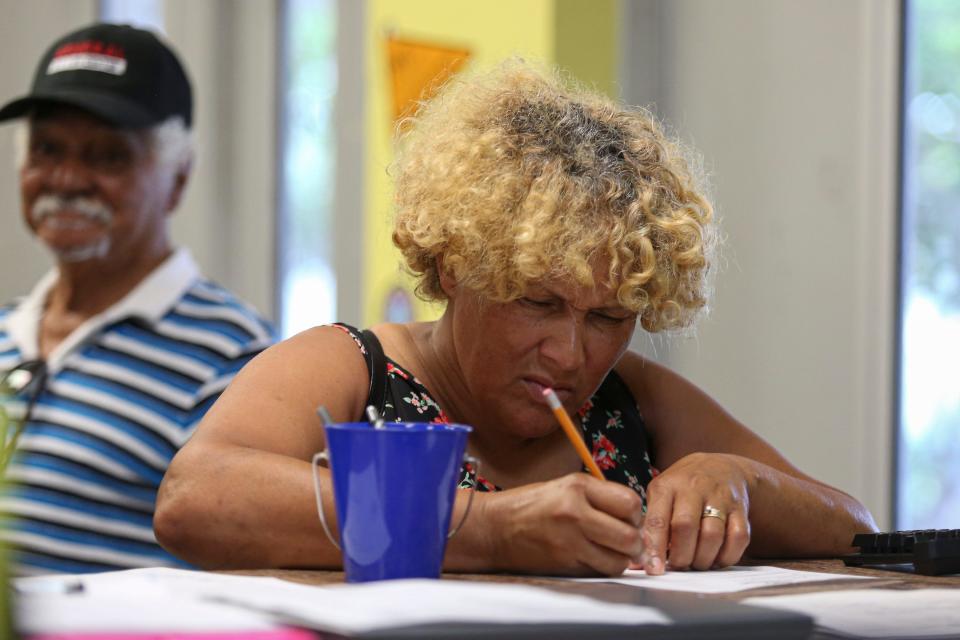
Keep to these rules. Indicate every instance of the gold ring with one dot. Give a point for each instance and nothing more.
(713, 512)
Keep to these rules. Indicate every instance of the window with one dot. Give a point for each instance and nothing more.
(928, 473)
(306, 179)
(145, 14)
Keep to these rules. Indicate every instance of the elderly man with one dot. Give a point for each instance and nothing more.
(113, 357)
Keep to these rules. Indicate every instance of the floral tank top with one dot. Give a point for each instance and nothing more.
(613, 428)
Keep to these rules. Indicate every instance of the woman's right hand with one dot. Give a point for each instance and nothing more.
(574, 525)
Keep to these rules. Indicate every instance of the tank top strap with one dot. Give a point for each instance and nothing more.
(376, 361)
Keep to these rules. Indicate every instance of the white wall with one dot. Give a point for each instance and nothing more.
(793, 105)
(227, 218)
(26, 30)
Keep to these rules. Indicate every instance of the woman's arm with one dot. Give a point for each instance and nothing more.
(709, 458)
(240, 493)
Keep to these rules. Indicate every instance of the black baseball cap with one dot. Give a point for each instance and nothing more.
(121, 74)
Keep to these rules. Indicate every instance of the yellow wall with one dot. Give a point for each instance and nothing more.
(586, 42)
(579, 34)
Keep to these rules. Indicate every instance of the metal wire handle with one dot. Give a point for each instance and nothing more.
(475, 462)
(322, 455)
(319, 495)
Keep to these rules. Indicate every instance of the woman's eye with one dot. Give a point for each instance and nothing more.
(609, 319)
(537, 304)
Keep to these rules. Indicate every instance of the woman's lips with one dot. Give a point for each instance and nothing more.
(535, 388)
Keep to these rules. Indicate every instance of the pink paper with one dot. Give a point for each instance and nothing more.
(279, 634)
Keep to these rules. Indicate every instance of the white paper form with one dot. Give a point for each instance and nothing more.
(360, 608)
(729, 580)
(125, 602)
(877, 613)
(343, 608)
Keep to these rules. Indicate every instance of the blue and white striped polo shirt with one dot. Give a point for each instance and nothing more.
(122, 395)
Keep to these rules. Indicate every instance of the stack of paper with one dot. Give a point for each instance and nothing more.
(165, 600)
(126, 602)
(877, 613)
(728, 580)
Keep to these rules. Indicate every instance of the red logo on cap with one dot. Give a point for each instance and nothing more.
(90, 46)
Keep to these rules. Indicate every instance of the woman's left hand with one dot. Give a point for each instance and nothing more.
(697, 514)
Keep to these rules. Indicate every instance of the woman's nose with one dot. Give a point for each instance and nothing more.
(564, 345)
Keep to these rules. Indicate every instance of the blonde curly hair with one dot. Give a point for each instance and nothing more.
(519, 175)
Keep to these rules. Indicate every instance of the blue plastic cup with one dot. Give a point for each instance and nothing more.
(394, 490)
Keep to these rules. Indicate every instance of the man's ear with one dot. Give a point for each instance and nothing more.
(180, 179)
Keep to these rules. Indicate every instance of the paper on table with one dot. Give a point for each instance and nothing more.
(727, 580)
(79, 613)
(136, 601)
(119, 583)
(877, 613)
(362, 608)
(278, 634)
(150, 595)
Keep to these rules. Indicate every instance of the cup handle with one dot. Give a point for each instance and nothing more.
(473, 491)
(319, 495)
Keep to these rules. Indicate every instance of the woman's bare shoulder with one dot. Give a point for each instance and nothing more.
(316, 348)
(322, 365)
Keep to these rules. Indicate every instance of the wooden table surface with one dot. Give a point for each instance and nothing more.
(883, 578)
(664, 600)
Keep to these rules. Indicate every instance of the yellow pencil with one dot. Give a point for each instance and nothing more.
(575, 438)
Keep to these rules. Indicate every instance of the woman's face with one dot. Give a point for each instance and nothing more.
(558, 335)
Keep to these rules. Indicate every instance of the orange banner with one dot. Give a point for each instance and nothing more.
(418, 70)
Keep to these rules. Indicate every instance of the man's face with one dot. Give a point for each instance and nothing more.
(91, 191)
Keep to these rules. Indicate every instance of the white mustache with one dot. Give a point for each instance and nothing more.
(50, 204)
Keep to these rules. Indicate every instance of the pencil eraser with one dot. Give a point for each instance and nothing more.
(552, 398)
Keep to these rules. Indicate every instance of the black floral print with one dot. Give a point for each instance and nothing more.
(613, 428)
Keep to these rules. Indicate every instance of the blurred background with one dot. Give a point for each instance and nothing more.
(829, 129)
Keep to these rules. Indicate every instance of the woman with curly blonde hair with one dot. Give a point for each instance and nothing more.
(549, 220)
